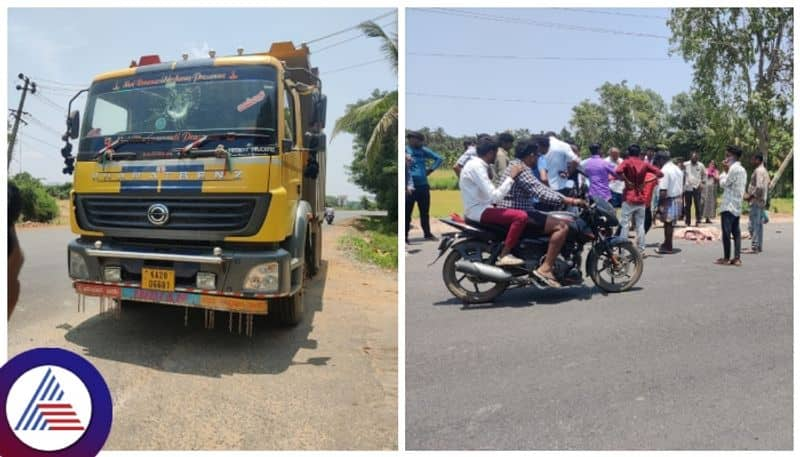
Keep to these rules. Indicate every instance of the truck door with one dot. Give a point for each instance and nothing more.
(291, 156)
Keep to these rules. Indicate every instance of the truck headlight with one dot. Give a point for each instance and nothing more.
(262, 278)
(206, 280)
(77, 266)
(112, 274)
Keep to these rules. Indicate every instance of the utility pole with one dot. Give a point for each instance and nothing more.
(29, 86)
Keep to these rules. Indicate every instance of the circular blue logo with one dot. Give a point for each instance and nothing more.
(56, 405)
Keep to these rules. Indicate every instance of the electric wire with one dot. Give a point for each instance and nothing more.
(613, 13)
(358, 65)
(513, 57)
(491, 99)
(330, 35)
(525, 21)
(347, 40)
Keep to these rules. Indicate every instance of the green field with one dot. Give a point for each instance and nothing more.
(443, 180)
(781, 205)
(445, 202)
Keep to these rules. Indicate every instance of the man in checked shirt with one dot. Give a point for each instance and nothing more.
(525, 189)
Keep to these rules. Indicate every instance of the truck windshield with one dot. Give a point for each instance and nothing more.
(167, 105)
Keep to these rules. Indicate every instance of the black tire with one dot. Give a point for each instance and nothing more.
(454, 280)
(287, 311)
(312, 255)
(630, 268)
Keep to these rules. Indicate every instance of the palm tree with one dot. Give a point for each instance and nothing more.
(387, 104)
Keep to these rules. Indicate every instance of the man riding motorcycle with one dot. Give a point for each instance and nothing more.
(524, 192)
(480, 196)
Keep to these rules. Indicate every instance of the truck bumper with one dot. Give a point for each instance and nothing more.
(230, 269)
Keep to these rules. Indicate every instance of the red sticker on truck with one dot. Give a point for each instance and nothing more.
(251, 101)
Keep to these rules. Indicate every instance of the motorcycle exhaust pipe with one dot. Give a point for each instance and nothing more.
(481, 270)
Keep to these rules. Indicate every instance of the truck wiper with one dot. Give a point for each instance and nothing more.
(119, 142)
(190, 149)
(186, 149)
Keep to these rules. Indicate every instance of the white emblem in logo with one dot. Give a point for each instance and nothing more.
(49, 408)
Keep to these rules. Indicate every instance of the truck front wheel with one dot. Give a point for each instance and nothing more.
(287, 311)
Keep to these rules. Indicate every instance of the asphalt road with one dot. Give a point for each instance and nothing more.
(330, 383)
(697, 356)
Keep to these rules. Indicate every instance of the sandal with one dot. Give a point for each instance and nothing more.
(549, 280)
(722, 261)
(736, 262)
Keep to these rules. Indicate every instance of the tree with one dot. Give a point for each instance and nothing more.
(387, 105)
(37, 204)
(364, 203)
(373, 122)
(623, 116)
(376, 174)
(590, 122)
(742, 57)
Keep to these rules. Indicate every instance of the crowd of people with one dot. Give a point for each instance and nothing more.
(545, 173)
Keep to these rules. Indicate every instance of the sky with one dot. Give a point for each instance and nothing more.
(63, 49)
(555, 85)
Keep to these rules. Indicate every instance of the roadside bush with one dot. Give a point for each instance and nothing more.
(37, 204)
(59, 191)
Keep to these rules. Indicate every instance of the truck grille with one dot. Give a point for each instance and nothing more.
(196, 215)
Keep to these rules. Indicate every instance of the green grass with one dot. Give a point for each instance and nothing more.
(781, 205)
(443, 203)
(377, 242)
(443, 180)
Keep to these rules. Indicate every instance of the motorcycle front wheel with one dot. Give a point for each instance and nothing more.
(617, 272)
(465, 287)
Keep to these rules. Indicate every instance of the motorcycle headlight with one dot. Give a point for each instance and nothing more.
(77, 266)
(262, 278)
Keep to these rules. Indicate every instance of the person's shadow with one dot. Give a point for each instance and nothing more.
(154, 336)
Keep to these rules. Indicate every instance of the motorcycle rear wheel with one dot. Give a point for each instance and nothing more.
(463, 286)
(617, 277)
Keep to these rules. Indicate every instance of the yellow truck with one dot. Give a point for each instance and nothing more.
(200, 183)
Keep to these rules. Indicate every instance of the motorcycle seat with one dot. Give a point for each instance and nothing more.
(494, 228)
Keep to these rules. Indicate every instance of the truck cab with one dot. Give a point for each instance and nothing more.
(201, 183)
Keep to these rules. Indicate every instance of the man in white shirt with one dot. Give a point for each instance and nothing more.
(469, 152)
(670, 197)
(616, 186)
(733, 182)
(479, 196)
(561, 161)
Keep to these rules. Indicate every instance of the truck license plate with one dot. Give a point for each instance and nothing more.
(158, 279)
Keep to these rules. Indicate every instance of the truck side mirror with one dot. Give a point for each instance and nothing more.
(314, 141)
(320, 108)
(74, 124)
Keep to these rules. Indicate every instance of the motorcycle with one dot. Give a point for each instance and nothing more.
(329, 218)
(613, 263)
